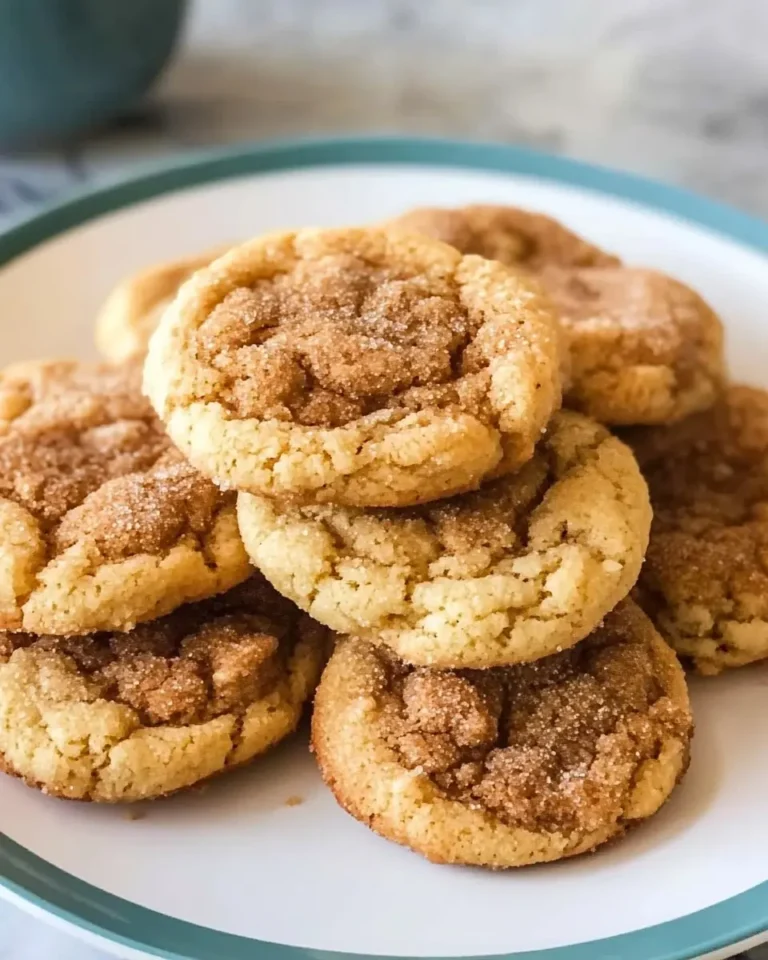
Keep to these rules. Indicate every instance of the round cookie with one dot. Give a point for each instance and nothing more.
(705, 579)
(507, 234)
(645, 349)
(103, 523)
(131, 312)
(513, 766)
(356, 367)
(132, 716)
(520, 569)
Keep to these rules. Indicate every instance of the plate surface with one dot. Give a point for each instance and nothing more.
(204, 876)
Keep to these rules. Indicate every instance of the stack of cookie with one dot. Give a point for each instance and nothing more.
(387, 408)
(138, 654)
(647, 352)
(407, 429)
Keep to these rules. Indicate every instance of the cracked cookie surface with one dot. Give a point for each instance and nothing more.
(644, 348)
(102, 522)
(351, 366)
(131, 312)
(509, 766)
(705, 579)
(523, 567)
(132, 716)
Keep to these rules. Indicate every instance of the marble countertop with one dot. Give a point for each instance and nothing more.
(675, 89)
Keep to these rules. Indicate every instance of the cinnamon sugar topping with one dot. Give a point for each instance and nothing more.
(544, 746)
(355, 366)
(82, 451)
(650, 318)
(336, 338)
(644, 348)
(706, 574)
(508, 234)
(202, 661)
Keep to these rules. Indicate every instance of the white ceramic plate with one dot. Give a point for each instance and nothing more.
(234, 872)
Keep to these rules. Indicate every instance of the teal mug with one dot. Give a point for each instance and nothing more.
(66, 65)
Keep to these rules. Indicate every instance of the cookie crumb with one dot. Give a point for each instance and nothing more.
(294, 801)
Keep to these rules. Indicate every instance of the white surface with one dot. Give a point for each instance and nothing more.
(235, 857)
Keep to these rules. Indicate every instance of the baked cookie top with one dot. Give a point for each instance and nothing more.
(705, 580)
(524, 567)
(508, 234)
(645, 349)
(352, 366)
(226, 674)
(131, 312)
(102, 521)
(512, 765)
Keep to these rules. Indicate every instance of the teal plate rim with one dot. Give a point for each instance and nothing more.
(36, 882)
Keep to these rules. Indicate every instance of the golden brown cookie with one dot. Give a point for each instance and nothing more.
(132, 716)
(705, 579)
(102, 521)
(512, 766)
(524, 567)
(353, 366)
(508, 234)
(133, 309)
(645, 349)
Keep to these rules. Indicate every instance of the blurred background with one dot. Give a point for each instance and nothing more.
(675, 89)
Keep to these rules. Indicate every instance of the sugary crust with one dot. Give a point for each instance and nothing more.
(632, 771)
(645, 349)
(65, 731)
(526, 566)
(77, 592)
(509, 234)
(414, 448)
(130, 314)
(102, 523)
(705, 580)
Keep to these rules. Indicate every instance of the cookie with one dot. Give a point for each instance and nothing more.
(507, 234)
(520, 569)
(705, 579)
(512, 766)
(130, 313)
(133, 716)
(645, 349)
(354, 367)
(103, 523)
